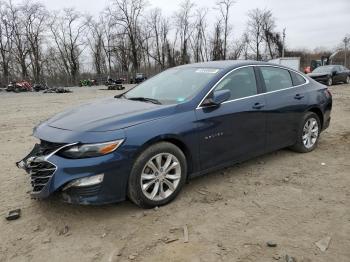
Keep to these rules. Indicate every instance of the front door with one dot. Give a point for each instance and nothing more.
(235, 130)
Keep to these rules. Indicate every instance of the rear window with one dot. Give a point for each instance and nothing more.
(297, 79)
(276, 78)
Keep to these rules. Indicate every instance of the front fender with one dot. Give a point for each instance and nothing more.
(179, 128)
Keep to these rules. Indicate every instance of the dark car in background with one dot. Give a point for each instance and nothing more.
(117, 81)
(331, 74)
(184, 122)
(139, 78)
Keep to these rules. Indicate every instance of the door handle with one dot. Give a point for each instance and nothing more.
(298, 96)
(258, 106)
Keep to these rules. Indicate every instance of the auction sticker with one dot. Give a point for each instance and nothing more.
(207, 70)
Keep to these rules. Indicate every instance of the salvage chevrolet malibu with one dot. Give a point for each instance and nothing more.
(184, 122)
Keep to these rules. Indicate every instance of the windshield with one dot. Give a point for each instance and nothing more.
(323, 69)
(175, 85)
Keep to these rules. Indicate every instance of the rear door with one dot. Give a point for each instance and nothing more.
(235, 130)
(286, 101)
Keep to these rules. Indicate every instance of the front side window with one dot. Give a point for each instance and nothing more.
(276, 78)
(241, 83)
(175, 85)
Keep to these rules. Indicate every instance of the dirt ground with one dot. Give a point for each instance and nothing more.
(291, 199)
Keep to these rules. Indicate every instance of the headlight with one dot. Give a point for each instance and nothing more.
(90, 150)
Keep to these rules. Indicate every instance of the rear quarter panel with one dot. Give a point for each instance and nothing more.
(320, 98)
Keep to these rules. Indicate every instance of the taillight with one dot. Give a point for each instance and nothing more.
(329, 92)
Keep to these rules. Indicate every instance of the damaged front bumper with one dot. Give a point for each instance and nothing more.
(52, 174)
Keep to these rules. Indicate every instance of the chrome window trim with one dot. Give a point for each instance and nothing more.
(242, 98)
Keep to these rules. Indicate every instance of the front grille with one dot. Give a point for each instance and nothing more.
(40, 172)
(35, 164)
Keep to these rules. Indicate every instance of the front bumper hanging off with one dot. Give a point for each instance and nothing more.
(51, 174)
(38, 167)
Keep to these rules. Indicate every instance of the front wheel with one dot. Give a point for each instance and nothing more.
(308, 134)
(347, 81)
(157, 176)
(330, 81)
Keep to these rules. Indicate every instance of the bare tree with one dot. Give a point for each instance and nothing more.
(217, 42)
(183, 21)
(127, 15)
(20, 41)
(122, 52)
(256, 30)
(224, 7)
(246, 45)
(6, 40)
(35, 15)
(269, 24)
(109, 34)
(96, 44)
(125, 38)
(200, 45)
(54, 68)
(239, 48)
(68, 31)
(159, 32)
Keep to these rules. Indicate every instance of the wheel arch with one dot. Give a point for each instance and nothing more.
(177, 141)
(318, 112)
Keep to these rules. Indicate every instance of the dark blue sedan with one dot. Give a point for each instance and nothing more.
(184, 122)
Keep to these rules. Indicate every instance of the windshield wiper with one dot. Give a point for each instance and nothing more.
(120, 95)
(145, 99)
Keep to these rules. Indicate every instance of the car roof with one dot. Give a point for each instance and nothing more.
(328, 65)
(225, 64)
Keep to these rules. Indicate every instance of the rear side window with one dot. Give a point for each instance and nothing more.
(276, 78)
(241, 83)
(297, 79)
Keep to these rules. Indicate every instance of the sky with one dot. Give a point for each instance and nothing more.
(309, 23)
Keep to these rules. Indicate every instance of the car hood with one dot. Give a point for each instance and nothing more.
(108, 114)
(317, 74)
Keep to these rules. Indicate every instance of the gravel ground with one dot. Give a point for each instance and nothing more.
(293, 200)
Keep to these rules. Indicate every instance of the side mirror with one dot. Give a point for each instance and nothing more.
(217, 98)
(334, 73)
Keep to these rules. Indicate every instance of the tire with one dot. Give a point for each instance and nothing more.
(164, 194)
(311, 144)
(330, 81)
(347, 80)
(16, 90)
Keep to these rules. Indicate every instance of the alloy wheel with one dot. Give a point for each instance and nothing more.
(310, 133)
(160, 176)
(347, 80)
(330, 82)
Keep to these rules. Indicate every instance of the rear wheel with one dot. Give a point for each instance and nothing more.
(330, 81)
(157, 176)
(308, 133)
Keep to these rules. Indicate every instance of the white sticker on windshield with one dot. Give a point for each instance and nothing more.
(207, 70)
